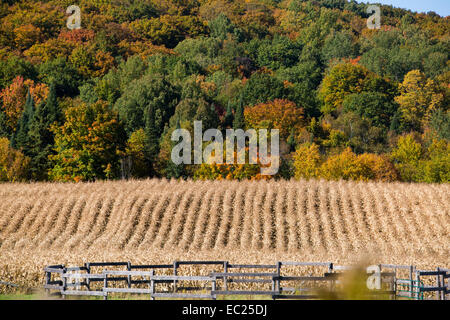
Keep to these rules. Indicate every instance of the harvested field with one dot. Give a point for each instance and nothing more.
(159, 221)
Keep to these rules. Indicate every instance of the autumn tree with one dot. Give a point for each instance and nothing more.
(418, 97)
(13, 99)
(279, 114)
(349, 166)
(88, 145)
(307, 160)
(406, 157)
(234, 171)
(342, 80)
(135, 152)
(435, 168)
(14, 164)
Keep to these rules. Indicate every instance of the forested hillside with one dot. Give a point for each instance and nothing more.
(101, 101)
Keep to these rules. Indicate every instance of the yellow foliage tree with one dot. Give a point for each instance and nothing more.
(342, 80)
(349, 166)
(307, 161)
(235, 171)
(13, 164)
(406, 157)
(135, 149)
(27, 35)
(418, 97)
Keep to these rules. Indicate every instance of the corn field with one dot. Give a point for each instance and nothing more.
(159, 221)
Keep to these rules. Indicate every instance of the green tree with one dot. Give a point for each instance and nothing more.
(440, 122)
(62, 74)
(41, 136)
(20, 139)
(375, 106)
(228, 119)
(262, 87)
(152, 116)
(14, 66)
(239, 118)
(338, 45)
(278, 52)
(5, 130)
(221, 27)
(207, 114)
(141, 94)
(175, 170)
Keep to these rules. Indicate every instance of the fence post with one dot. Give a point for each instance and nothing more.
(48, 278)
(213, 288)
(411, 282)
(418, 285)
(273, 288)
(278, 288)
(175, 266)
(330, 271)
(129, 276)
(88, 271)
(447, 289)
(438, 284)
(152, 285)
(225, 278)
(105, 285)
(64, 279)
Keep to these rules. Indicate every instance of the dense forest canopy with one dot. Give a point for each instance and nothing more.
(101, 101)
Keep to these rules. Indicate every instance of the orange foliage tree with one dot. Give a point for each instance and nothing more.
(279, 114)
(13, 98)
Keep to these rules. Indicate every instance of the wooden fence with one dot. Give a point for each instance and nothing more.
(143, 279)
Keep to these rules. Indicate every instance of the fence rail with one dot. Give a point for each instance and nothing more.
(81, 281)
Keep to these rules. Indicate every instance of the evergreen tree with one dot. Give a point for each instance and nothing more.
(20, 139)
(395, 123)
(291, 141)
(151, 131)
(40, 135)
(239, 121)
(207, 114)
(4, 128)
(228, 120)
(175, 170)
(440, 122)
